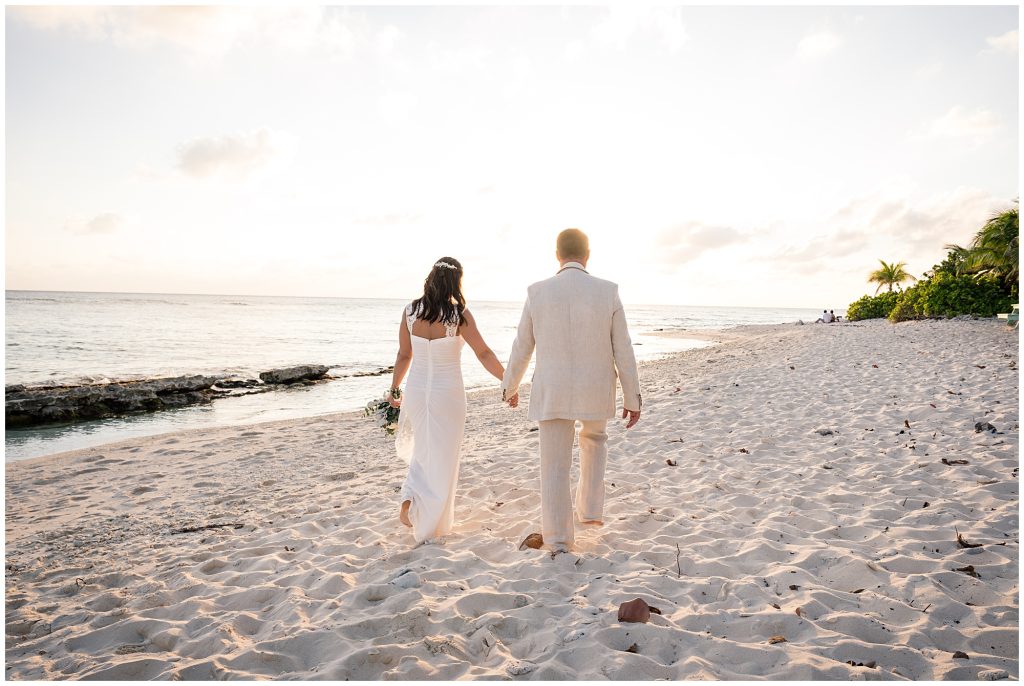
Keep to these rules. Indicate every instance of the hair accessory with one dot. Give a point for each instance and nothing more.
(446, 265)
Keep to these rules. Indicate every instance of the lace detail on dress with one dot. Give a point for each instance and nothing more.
(409, 316)
(450, 330)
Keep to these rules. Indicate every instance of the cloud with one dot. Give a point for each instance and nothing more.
(622, 22)
(978, 124)
(386, 39)
(822, 251)
(877, 226)
(200, 30)
(929, 70)
(107, 222)
(817, 45)
(930, 223)
(232, 156)
(686, 242)
(392, 219)
(1007, 43)
(397, 106)
(574, 50)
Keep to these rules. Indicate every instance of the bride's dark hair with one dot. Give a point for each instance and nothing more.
(442, 299)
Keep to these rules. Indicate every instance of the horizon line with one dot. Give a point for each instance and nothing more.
(348, 297)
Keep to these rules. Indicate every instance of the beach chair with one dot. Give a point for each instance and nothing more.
(1013, 318)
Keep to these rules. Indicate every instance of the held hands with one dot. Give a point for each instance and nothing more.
(513, 401)
(634, 417)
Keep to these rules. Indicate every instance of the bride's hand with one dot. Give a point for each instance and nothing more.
(395, 402)
(513, 401)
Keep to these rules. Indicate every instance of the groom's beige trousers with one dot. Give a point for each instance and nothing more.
(556, 438)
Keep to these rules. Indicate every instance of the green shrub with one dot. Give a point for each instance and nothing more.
(903, 311)
(872, 307)
(911, 303)
(949, 295)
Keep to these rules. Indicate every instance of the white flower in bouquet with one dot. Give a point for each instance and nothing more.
(387, 416)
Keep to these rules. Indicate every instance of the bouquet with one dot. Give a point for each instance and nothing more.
(387, 416)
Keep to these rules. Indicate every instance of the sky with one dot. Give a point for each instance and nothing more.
(715, 155)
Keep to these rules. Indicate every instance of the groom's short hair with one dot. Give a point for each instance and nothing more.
(572, 243)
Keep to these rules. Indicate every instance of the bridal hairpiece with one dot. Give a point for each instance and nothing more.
(446, 265)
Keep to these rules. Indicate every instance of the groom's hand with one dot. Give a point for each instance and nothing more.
(634, 417)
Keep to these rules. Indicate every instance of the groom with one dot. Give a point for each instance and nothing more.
(578, 326)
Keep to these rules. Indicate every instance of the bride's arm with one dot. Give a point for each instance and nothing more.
(471, 334)
(404, 358)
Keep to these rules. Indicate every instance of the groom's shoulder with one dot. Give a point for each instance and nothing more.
(603, 283)
(554, 283)
(541, 285)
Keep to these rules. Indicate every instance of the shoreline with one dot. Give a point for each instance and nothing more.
(240, 405)
(797, 485)
(476, 393)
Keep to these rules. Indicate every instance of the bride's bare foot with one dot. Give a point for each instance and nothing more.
(595, 522)
(403, 515)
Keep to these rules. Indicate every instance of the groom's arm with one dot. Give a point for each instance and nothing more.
(519, 358)
(625, 361)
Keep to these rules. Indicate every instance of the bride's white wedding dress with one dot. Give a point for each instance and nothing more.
(430, 428)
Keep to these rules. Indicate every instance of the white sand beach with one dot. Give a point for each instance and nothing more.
(809, 498)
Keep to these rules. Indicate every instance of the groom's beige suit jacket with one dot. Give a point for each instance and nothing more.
(578, 327)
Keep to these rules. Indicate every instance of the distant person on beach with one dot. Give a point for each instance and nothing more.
(433, 329)
(832, 316)
(823, 319)
(578, 326)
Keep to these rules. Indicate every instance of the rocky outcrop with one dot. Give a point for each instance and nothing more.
(237, 382)
(381, 371)
(35, 405)
(28, 406)
(294, 374)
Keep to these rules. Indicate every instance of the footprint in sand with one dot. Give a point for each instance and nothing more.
(90, 471)
(213, 566)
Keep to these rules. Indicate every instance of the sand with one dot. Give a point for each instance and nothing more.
(809, 501)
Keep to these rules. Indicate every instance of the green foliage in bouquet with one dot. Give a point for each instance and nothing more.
(872, 307)
(387, 416)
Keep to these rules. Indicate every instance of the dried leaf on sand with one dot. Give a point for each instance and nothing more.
(534, 541)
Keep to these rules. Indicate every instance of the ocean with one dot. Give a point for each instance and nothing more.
(75, 338)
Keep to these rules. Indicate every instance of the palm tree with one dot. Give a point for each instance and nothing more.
(994, 249)
(890, 275)
(956, 260)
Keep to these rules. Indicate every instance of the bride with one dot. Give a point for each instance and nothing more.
(433, 330)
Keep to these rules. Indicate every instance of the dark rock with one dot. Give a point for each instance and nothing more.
(36, 405)
(636, 610)
(293, 374)
(961, 655)
(983, 426)
(237, 382)
(824, 432)
(380, 372)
